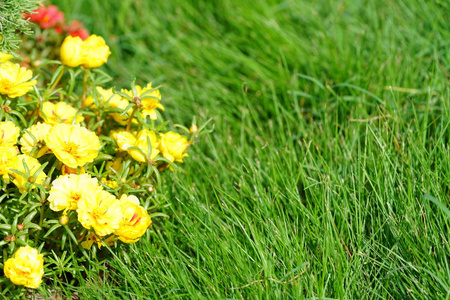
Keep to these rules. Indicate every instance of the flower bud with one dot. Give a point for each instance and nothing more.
(63, 220)
(37, 63)
(31, 179)
(20, 227)
(137, 101)
(193, 129)
(10, 238)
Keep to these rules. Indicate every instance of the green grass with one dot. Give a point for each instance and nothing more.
(332, 121)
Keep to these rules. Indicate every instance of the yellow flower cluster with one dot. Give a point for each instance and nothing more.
(145, 146)
(83, 156)
(23, 170)
(73, 145)
(91, 53)
(149, 99)
(108, 99)
(99, 210)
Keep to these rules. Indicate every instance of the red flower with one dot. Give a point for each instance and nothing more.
(75, 28)
(47, 16)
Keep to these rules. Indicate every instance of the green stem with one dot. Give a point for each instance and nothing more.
(130, 120)
(85, 77)
(41, 220)
(55, 83)
(135, 174)
(121, 191)
(36, 112)
(138, 171)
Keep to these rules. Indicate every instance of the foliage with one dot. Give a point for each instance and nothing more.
(309, 186)
(12, 23)
(81, 165)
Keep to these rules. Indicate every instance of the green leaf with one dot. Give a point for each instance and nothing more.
(435, 201)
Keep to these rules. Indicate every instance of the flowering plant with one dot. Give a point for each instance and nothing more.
(80, 162)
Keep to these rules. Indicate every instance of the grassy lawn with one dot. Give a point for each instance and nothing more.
(332, 122)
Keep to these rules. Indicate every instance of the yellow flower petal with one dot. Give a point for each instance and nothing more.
(73, 145)
(14, 80)
(26, 267)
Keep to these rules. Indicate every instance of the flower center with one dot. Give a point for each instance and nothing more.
(24, 273)
(5, 86)
(150, 104)
(75, 196)
(45, 19)
(71, 148)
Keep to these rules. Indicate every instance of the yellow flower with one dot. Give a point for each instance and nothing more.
(173, 146)
(101, 212)
(8, 159)
(149, 100)
(122, 104)
(72, 51)
(73, 145)
(108, 98)
(5, 57)
(9, 133)
(26, 267)
(33, 138)
(109, 183)
(143, 139)
(60, 112)
(33, 165)
(126, 140)
(90, 53)
(68, 190)
(97, 52)
(135, 220)
(91, 238)
(14, 80)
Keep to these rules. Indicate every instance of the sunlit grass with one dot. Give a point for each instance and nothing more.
(331, 124)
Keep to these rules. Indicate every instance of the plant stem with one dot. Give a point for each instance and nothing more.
(85, 77)
(138, 171)
(130, 120)
(41, 220)
(55, 83)
(57, 80)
